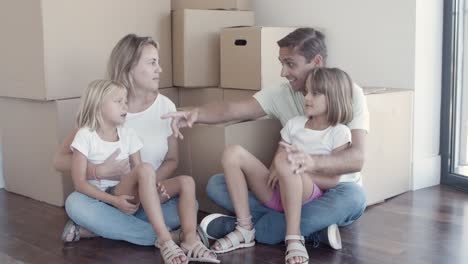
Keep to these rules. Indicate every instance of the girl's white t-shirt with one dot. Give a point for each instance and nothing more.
(96, 150)
(320, 142)
(152, 130)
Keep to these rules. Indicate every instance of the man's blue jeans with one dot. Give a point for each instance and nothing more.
(109, 222)
(341, 205)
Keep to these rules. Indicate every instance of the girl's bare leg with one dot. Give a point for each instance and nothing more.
(242, 172)
(142, 181)
(294, 190)
(184, 187)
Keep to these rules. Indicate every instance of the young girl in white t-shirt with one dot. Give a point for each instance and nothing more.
(286, 188)
(101, 133)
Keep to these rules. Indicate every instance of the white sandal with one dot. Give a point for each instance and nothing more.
(169, 250)
(196, 251)
(249, 240)
(296, 249)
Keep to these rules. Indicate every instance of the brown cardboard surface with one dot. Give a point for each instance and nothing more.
(200, 96)
(31, 133)
(249, 56)
(237, 94)
(212, 4)
(56, 48)
(387, 166)
(172, 93)
(206, 144)
(195, 49)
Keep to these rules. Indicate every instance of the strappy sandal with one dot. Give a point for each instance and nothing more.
(169, 251)
(296, 249)
(196, 253)
(177, 236)
(67, 231)
(249, 240)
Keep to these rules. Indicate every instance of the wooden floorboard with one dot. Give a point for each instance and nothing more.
(425, 226)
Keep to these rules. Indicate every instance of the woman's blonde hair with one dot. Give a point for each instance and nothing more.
(337, 87)
(90, 114)
(125, 56)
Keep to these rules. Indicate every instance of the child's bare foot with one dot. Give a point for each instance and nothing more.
(296, 253)
(171, 253)
(198, 252)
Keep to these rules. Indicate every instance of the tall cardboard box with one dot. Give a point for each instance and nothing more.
(249, 56)
(387, 166)
(171, 93)
(200, 96)
(212, 4)
(31, 133)
(52, 49)
(196, 44)
(206, 144)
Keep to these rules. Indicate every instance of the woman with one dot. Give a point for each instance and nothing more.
(134, 62)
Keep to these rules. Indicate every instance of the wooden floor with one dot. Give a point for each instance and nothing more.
(426, 226)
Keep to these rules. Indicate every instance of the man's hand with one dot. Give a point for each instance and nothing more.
(122, 203)
(299, 160)
(272, 179)
(181, 119)
(110, 168)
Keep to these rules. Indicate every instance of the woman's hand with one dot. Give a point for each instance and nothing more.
(181, 119)
(122, 202)
(109, 169)
(299, 160)
(163, 195)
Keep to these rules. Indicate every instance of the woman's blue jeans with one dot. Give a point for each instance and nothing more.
(109, 222)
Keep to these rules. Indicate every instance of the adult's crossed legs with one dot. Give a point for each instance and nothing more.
(341, 205)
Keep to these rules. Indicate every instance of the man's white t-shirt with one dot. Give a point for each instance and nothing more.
(311, 141)
(283, 103)
(96, 150)
(152, 130)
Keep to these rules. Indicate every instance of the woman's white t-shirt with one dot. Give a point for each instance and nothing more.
(152, 130)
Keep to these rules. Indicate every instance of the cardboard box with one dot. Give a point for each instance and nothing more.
(196, 44)
(206, 143)
(31, 133)
(387, 166)
(200, 96)
(249, 56)
(212, 4)
(56, 48)
(237, 94)
(172, 93)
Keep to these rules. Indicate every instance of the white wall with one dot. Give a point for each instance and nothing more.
(371, 39)
(2, 181)
(427, 100)
(396, 44)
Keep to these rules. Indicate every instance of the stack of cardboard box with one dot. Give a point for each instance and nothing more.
(51, 51)
(208, 67)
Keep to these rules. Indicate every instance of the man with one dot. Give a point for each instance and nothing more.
(300, 51)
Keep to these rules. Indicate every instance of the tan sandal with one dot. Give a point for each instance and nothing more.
(169, 251)
(177, 236)
(296, 249)
(197, 251)
(67, 230)
(249, 240)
